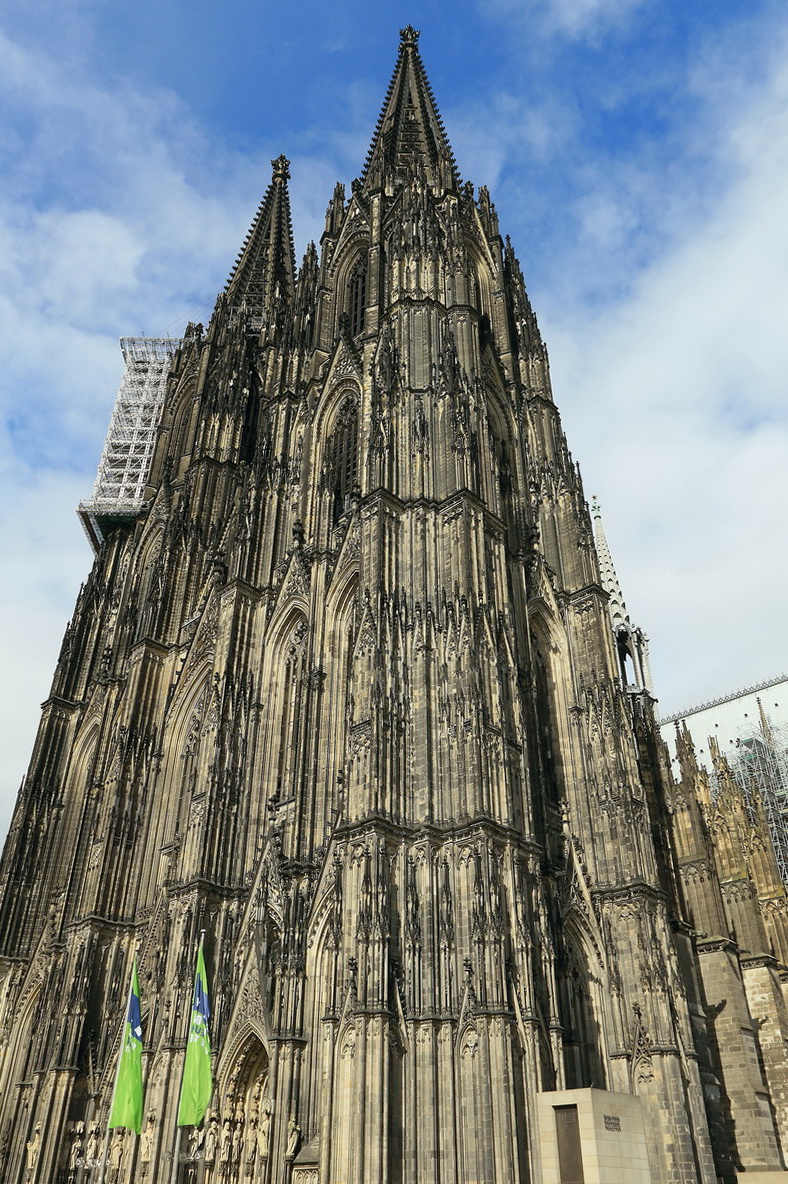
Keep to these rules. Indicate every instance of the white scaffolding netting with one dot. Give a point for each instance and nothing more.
(128, 450)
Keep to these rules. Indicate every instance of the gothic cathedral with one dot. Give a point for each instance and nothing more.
(345, 693)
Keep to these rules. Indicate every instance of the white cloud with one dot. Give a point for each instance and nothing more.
(577, 16)
(675, 402)
(572, 18)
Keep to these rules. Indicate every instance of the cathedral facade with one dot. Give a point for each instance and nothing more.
(345, 693)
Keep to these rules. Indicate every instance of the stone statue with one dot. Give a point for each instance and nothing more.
(116, 1153)
(33, 1146)
(94, 1143)
(211, 1142)
(264, 1129)
(75, 1151)
(251, 1145)
(196, 1138)
(146, 1140)
(226, 1145)
(293, 1135)
(237, 1141)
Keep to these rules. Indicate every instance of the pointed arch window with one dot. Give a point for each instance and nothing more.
(291, 712)
(357, 292)
(343, 459)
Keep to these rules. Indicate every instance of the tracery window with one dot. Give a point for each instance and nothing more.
(291, 712)
(358, 296)
(343, 459)
(582, 1062)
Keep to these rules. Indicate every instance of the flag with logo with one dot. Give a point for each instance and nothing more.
(196, 1087)
(127, 1098)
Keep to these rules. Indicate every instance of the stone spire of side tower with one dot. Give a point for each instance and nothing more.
(263, 277)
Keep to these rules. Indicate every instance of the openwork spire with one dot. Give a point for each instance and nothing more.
(264, 272)
(409, 136)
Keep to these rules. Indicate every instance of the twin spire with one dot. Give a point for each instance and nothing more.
(409, 135)
(264, 272)
(409, 139)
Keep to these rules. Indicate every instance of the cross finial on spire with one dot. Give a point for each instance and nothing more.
(409, 35)
(281, 167)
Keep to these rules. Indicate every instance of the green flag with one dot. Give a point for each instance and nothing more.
(196, 1087)
(127, 1098)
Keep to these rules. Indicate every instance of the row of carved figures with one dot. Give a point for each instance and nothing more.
(222, 1148)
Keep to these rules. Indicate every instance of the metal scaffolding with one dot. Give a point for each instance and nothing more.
(128, 450)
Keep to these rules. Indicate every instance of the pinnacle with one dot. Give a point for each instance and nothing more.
(618, 610)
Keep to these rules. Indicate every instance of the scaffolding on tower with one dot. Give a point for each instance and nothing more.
(119, 489)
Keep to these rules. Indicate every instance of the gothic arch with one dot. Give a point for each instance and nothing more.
(580, 982)
(481, 286)
(336, 456)
(247, 1048)
(322, 985)
(330, 408)
(285, 673)
(180, 746)
(339, 632)
(353, 256)
(148, 592)
(180, 426)
(240, 1131)
(20, 1066)
(551, 710)
(78, 782)
(503, 475)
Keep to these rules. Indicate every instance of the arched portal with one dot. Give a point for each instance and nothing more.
(237, 1139)
(580, 1021)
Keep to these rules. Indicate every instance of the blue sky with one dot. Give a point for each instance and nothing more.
(637, 152)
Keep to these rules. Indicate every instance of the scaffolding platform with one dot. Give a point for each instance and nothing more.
(119, 489)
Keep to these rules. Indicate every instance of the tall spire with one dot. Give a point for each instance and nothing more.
(409, 133)
(264, 272)
(618, 610)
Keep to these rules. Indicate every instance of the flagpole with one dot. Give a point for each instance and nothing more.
(105, 1150)
(179, 1129)
(175, 1156)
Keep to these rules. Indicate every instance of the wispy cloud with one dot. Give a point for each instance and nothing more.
(572, 18)
(676, 404)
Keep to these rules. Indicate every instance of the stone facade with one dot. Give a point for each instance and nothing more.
(345, 694)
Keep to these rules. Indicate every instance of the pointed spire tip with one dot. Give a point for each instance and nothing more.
(281, 167)
(409, 36)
